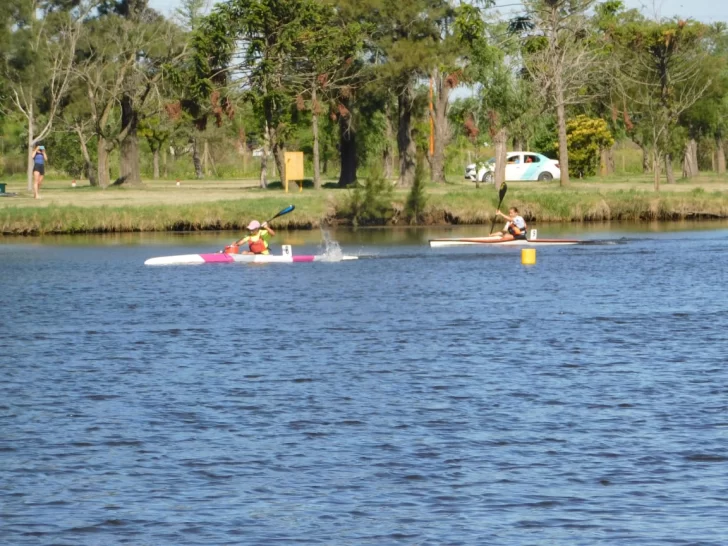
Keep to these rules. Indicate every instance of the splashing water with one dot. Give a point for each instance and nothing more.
(331, 250)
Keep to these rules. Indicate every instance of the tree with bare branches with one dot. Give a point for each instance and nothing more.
(38, 65)
(560, 58)
(663, 74)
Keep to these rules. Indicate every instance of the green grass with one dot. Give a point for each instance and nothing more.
(229, 205)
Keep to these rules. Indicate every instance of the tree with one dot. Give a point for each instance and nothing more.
(123, 57)
(249, 48)
(38, 63)
(662, 69)
(560, 58)
(158, 45)
(708, 117)
(326, 69)
(404, 39)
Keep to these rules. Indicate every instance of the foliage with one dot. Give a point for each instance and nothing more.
(370, 202)
(414, 209)
(64, 154)
(586, 137)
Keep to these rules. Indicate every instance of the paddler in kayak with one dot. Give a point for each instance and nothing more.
(257, 238)
(515, 228)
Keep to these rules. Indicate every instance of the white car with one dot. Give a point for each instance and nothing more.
(519, 166)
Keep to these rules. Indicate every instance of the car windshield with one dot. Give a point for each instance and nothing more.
(491, 160)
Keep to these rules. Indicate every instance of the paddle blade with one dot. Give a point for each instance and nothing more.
(286, 210)
(502, 191)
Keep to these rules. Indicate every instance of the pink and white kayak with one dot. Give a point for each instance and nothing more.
(497, 241)
(221, 258)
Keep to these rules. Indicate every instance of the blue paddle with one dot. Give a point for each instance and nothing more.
(286, 210)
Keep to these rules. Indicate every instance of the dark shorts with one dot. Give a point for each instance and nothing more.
(39, 168)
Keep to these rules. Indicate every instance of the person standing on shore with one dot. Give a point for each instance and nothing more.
(39, 162)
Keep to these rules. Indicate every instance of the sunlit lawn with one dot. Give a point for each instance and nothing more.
(166, 192)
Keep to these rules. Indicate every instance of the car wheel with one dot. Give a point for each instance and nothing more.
(545, 176)
(488, 178)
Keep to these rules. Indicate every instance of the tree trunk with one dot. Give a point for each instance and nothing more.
(656, 168)
(155, 161)
(606, 163)
(690, 159)
(199, 174)
(500, 141)
(646, 168)
(264, 157)
(165, 172)
(31, 145)
(347, 149)
(315, 131)
(279, 159)
(669, 174)
(129, 165)
(518, 144)
(102, 162)
(405, 143)
(205, 157)
(720, 155)
(387, 155)
(277, 145)
(442, 127)
(612, 159)
(88, 164)
(563, 146)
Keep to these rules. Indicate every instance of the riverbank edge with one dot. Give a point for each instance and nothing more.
(459, 208)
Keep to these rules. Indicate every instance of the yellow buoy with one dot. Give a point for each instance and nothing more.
(528, 256)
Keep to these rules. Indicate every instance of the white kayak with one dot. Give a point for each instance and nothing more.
(287, 257)
(497, 241)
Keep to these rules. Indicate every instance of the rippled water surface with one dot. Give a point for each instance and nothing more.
(415, 396)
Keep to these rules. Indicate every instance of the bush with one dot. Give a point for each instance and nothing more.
(586, 137)
(417, 198)
(370, 202)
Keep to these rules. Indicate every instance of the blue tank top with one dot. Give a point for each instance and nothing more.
(39, 159)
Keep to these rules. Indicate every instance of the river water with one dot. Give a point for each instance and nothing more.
(415, 396)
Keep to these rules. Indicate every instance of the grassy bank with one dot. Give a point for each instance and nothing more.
(229, 205)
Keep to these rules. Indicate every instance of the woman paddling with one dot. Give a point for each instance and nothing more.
(257, 238)
(515, 228)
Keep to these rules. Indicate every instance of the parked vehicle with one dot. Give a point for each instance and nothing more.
(519, 166)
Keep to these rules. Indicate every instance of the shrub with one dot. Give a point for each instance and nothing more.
(370, 202)
(586, 138)
(417, 198)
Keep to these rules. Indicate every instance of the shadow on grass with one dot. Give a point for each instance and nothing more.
(307, 185)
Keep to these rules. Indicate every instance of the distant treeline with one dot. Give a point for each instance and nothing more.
(115, 90)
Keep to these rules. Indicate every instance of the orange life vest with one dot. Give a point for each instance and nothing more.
(257, 244)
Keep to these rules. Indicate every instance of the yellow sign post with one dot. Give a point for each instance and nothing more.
(294, 168)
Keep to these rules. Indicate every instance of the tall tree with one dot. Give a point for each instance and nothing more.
(560, 58)
(406, 35)
(326, 68)
(662, 67)
(158, 45)
(37, 65)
